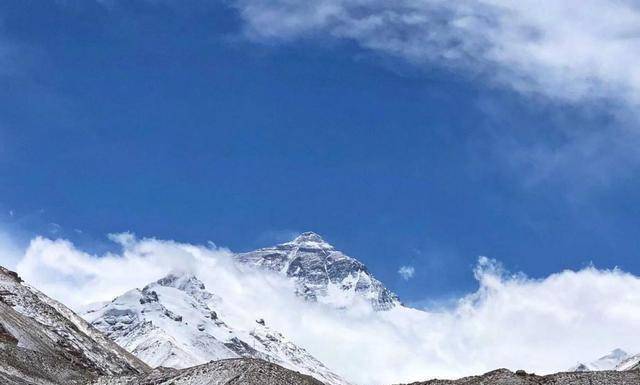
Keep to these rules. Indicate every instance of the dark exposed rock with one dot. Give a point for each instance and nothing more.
(148, 297)
(6, 337)
(241, 348)
(172, 315)
(12, 274)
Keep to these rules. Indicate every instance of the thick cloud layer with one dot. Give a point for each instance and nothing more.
(511, 321)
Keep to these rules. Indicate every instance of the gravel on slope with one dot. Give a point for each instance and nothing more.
(239, 371)
(506, 377)
(20, 366)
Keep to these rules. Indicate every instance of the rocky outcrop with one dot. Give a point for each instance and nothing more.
(6, 337)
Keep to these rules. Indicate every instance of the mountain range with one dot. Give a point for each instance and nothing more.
(176, 331)
(176, 322)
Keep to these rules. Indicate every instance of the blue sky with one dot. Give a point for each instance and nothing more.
(243, 124)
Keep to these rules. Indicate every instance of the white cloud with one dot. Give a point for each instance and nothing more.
(570, 50)
(512, 321)
(406, 272)
(58, 268)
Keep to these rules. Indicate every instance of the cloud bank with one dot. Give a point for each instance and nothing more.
(512, 321)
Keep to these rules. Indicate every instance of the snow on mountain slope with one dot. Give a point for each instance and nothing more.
(629, 363)
(616, 360)
(43, 342)
(175, 322)
(321, 272)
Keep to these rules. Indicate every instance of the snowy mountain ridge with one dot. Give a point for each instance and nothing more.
(175, 322)
(321, 272)
(617, 359)
(44, 342)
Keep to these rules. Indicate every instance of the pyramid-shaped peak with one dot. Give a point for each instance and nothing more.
(309, 236)
(310, 239)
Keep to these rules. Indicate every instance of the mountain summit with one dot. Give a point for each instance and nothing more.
(311, 240)
(322, 273)
(175, 322)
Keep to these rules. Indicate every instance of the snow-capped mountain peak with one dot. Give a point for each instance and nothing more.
(310, 240)
(611, 361)
(175, 322)
(321, 272)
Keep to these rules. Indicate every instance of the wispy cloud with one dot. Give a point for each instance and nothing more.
(511, 321)
(406, 272)
(568, 52)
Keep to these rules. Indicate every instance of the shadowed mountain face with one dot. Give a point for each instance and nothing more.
(506, 377)
(42, 342)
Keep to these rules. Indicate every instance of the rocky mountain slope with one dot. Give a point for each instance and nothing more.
(321, 272)
(175, 322)
(506, 377)
(42, 342)
(224, 372)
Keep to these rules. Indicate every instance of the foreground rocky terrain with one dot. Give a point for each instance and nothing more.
(242, 371)
(43, 342)
(506, 377)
